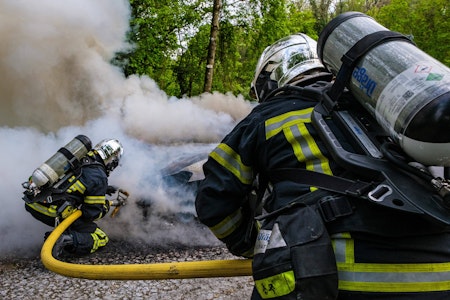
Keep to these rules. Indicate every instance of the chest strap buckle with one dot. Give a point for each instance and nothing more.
(333, 207)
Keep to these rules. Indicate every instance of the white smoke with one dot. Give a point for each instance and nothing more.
(57, 82)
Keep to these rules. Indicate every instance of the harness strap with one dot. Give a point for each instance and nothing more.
(340, 185)
(332, 207)
(329, 206)
(72, 159)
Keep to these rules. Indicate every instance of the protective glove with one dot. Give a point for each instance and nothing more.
(111, 189)
(244, 239)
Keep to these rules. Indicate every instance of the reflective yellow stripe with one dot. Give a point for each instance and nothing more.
(305, 148)
(276, 124)
(95, 200)
(394, 286)
(48, 211)
(100, 239)
(368, 277)
(77, 187)
(276, 286)
(231, 160)
(227, 225)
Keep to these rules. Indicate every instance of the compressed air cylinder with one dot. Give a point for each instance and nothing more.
(57, 165)
(405, 89)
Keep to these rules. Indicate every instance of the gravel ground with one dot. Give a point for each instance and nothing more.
(27, 278)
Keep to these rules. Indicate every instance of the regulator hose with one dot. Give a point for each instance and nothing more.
(156, 271)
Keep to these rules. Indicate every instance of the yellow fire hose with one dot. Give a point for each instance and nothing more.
(174, 270)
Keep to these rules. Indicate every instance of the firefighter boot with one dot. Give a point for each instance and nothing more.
(63, 241)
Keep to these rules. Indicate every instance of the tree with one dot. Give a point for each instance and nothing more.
(173, 43)
(358, 5)
(427, 21)
(157, 29)
(190, 64)
(321, 10)
(212, 45)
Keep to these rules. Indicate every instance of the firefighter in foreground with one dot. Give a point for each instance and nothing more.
(84, 187)
(365, 252)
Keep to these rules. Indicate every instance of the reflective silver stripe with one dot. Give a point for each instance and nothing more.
(306, 149)
(394, 278)
(339, 250)
(392, 273)
(386, 277)
(227, 225)
(231, 161)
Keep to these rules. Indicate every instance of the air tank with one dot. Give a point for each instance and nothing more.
(57, 165)
(406, 90)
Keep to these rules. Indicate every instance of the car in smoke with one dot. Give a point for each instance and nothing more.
(180, 180)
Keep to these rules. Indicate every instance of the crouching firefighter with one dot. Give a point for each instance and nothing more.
(314, 236)
(76, 177)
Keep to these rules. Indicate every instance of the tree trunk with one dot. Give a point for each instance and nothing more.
(212, 46)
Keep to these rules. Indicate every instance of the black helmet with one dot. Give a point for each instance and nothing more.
(292, 59)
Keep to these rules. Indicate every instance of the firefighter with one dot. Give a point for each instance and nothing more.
(86, 192)
(299, 249)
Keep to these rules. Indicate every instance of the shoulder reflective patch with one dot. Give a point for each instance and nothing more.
(77, 186)
(276, 124)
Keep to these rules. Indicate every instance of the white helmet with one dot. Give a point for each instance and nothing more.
(110, 150)
(291, 59)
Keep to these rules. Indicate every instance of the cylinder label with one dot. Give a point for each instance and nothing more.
(408, 92)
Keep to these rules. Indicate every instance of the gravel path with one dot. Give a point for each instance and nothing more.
(27, 278)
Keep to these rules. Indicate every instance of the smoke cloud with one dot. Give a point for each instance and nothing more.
(57, 82)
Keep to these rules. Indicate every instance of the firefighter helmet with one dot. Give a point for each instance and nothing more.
(290, 60)
(110, 150)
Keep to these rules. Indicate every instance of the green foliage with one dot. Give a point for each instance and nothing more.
(272, 20)
(427, 21)
(171, 38)
(228, 65)
(190, 65)
(156, 26)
